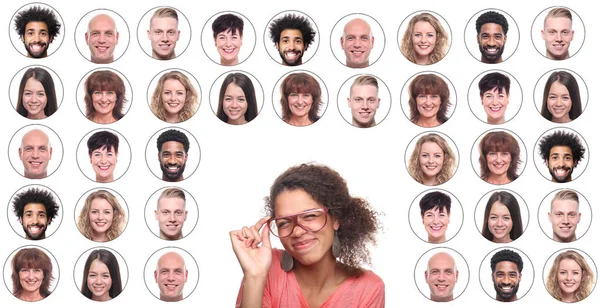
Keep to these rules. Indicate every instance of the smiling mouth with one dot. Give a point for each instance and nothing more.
(304, 244)
(491, 50)
(100, 223)
(292, 55)
(357, 53)
(171, 287)
(164, 47)
(495, 109)
(35, 164)
(560, 172)
(37, 47)
(35, 229)
(436, 229)
(228, 50)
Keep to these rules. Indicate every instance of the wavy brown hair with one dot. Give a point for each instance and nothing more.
(429, 84)
(31, 258)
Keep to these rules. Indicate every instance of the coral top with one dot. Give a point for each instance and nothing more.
(282, 290)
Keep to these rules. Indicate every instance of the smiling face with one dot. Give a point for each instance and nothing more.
(494, 103)
(228, 45)
(173, 97)
(36, 39)
(171, 276)
(506, 278)
(569, 276)
(300, 104)
(500, 223)
(102, 38)
(491, 40)
(163, 35)
(101, 217)
(35, 153)
(99, 281)
(104, 102)
(171, 214)
(564, 216)
(291, 47)
(498, 163)
(363, 103)
(560, 163)
(428, 106)
(436, 224)
(31, 280)
(172, 159)
(431, 160)
(34, 99)
(357, 43)
(235, 104)
(34, 221)
(103, 162)
(441, 276)
(559, 102)
(558, 35)
(424, 38)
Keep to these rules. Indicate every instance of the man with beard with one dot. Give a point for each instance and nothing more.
(491, 36)
(173, 147)
(507, 267)
(291, 35)
(561, 151)
(35, 208)
(37, 27)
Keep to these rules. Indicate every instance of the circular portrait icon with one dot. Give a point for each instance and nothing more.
(563, 155)
(174, 95)
(364, 101)
(560, 96)
(174, 210)
(430, 215)
(101, 215)
(228, 38)
(35, 212)
(487, 36)
(300, 98)
(511, 272)
(34, 147)
(31, 273)
(501, 216)
(424, 37)
(236, 97)
(428, 99)
(164, 33)
(291, 38)
(498, 156)
(431, 158)
(570, 275)
(357, 40)
(102, 36)
(36, 30)
(445, 272)
(36, 92)
(169, 151)
(490, 95)
(171, 274)
(562, 33)
(104, 95)
(100, 274)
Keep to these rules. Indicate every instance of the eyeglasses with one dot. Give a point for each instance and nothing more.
(311, 220)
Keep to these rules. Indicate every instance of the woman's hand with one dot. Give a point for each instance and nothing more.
(254, 260)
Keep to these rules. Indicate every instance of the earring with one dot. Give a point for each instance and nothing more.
(337, 246)
(286, 262)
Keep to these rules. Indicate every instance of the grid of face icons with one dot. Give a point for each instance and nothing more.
(143, 133)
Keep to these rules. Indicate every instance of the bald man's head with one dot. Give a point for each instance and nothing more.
(102, 38)
(357, 42)
(441, 276)
(35, 153)
(171, 276)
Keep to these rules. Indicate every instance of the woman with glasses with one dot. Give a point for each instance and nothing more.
(325, 233)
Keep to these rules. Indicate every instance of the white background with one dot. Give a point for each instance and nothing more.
(239, 163)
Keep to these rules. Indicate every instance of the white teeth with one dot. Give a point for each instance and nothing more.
(506, 288)
(173, 168)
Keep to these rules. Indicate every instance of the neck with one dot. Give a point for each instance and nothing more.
(103, 118)
(37, 116)
(496, 120)
(99, 237)
(230, 62)
(108, 179)
(363, 125)
(422, 60)
(103, 61)
(163, 236)
(103, 298)
(297, 121)
(31, 296)
(505, 239)
(172, 118)
(563, 119)
(36, 176)
(428, 122)
(498, 179)
(569, 239)
(436, 240)
(171, 299)
(238, 121)
(159, 57)
(430, 181)
(567, 297)
(441, 299)
(360, 65)
(319, 275)
(552, 57)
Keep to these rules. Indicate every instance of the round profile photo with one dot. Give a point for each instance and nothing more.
(562, 155)
(424, 37)
(228, 38)
(300, 98)
(31, 273)
(562, 33)
(35, 212)
(570, 275)
(291, 38)
(100, 274)
(34, 147)
(36, 92)
(236, 97)
(560, 95)
(36, 30)
(171, 213)
(164, 33)
(565, 215)
(487, 36)
(430, 215)
(171, 274)
(174, 95)
(501, 216)
(490, 95)
(364, 101)
(104, 95)
(357, 40)
(511, 273)
(442, 274)
(169, 151)
(428, 99)
(431, 158)
(109, 155)
(102, 36)
(498, 156)
(101, 215)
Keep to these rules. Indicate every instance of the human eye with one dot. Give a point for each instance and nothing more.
(44, 33)
(552, 97)
(97, 93)
(41, 94)
(178, 213)
(438, 155)
(27, 93)
(106, 276)
(559, 215)
(94, 211)
(180, 93)
(179, 154)
(107, 212)
(171, 32)
(498, 36)
(92, 275)
(435, 96)
(364, 38)
(572, 215)
(371, 100)
(284, 40)
(434, 272)
(24, 270)
(562, 272)
(568, 158)
(565, 98)
(306, 95)
(428, 214)
(421, 96)
(294, 95)
(28, 214)
(158, 32)
(298, 41)
(506, 218)
(283, 223)
(358, 100)
(424, 155)
(42, 215)
(417, 34)
(242, 99)
(430, 35)
(512, 275)
(493, 217)
(165, 212)
(485, 36)
(552, 31)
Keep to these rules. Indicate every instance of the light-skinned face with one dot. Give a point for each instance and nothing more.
(171, 215)
(357, 43)
(559, 102)
(424, 38)
(291, 47)
(558, 35)
(34, 99)
(36, 39)
(498, 163)
(564, 216)
(560, 163)
(35, 153)
(436, 223)
(99, 281)
(569, 278)
(101, 217)
(34, 221)
(163, 35)
(441, 276)
(104, 103)
(31, 280)
(491, 40)
(172, 159)
(235, 104)
(171, 276)
(500, 223)
(300, 104)
(494, 103)
(308, 248)
(173, 98)
(428, 106)
(431, 160)
(102, 38)
(103, 162)
(228, 45)
(506, 278)
(363, 103)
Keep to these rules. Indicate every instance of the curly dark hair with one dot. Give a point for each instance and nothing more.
(491, 17)
(562, 138)
(507, 255)
(173, 135)
(291, 21)
(35, 195)
(358, 221)
(37, 13)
